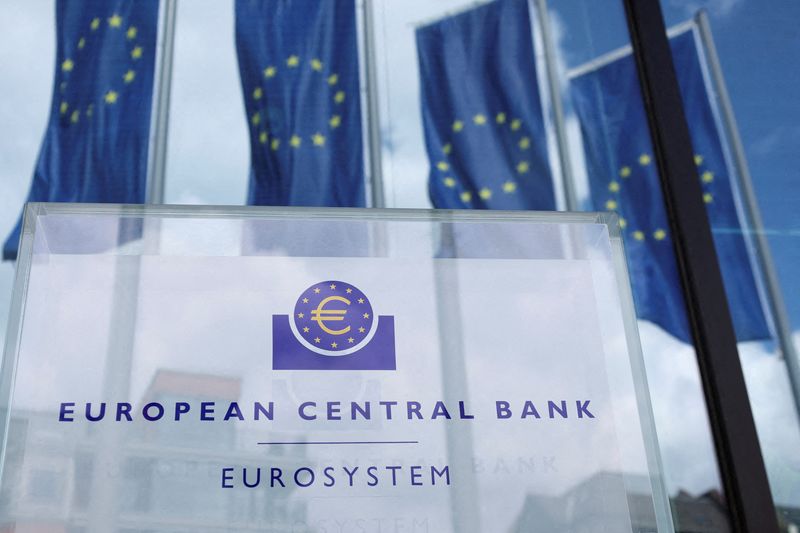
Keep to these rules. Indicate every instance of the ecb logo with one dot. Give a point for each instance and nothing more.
(333, 327)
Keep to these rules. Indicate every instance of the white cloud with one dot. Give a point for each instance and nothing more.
(720, 8)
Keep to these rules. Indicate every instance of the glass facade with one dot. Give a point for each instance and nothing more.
(742, 111)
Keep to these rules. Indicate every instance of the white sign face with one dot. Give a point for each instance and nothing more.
(467, 376)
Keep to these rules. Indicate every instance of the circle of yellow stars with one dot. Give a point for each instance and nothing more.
(295, 141)
(626, 172)
(480, 120)
(114, 24)
(350, 340)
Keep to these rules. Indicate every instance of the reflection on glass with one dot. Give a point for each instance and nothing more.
(748, 114)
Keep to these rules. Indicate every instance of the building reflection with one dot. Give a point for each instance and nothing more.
(584, 508)
(167, 477)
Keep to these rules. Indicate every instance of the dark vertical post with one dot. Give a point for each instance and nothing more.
(738, 452)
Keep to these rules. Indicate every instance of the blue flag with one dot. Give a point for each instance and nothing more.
(623, 179)
(95, 146)
(298, 61)
(484, 128)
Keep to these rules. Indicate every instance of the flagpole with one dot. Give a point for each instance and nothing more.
(764, 257)
(157, 162)
(110, 443)
(373, 118)
(567, 179)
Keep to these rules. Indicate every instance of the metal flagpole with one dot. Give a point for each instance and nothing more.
(763, 255)
(157, 162)
(464, 500)
(567, 181)
(108, 469)
(373, 118)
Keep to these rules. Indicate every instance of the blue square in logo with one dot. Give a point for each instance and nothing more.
(333, 327)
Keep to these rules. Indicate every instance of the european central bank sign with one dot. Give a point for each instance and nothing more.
(319, 375)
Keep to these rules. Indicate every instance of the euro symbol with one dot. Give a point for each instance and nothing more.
(322, 315)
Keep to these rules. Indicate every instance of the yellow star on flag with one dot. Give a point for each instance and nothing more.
(115, 21)
(262, 137)
(316, 290)
(485, 193)
(335, 121)
(95, 23)
(516, 124)
(638, 235)
(525, 143)
(509, 187)
(523, 167)
(255, 120)
(625, 172)
(644, 160)
(131, 33)
(305, 300)
(258, 93)
(81, 43)
(136, 53)
(611, 205)
(613, 186)
(339, 97)
(111, 97)
(707, 176)
(442, 165)
(292, 61)
(708, 198)
(76, 115)
(333, 287)
(351, 340)
(275, 144)
(295, 141)
(67, 65)
(698, 159)
(348, 290)
(366, 315)
(623, 223)
(333, 79)
(659, 234)
(447, 148)
(458, 126)
(63, 107)
(306, 329)
(361, 330)
(128, 77)
(500, 118)
(269, 72)
(300, 315)
(466, 196)
(334, 345)
(317, 340)
(318, 139)
(316, 64)
(449, 182)
(479, 119)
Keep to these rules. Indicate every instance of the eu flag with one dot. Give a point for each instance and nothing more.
(298, 61)
(95, 146)
(484, 128)
(623, 179)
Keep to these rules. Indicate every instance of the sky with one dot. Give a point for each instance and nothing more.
(208, 158)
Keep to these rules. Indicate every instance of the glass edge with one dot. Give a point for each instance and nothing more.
(8, 363)
(661, 501)
(368, 213)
